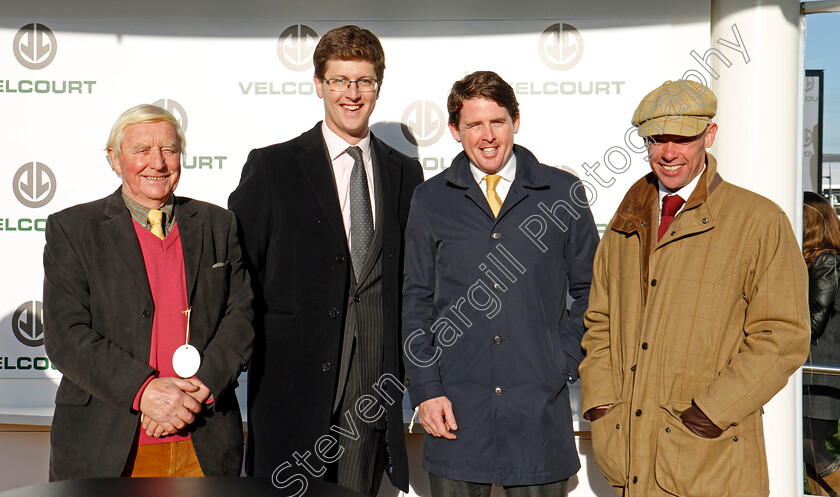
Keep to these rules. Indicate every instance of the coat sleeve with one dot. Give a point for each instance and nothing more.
(85, 355)
(596, 370)
(822, 290)
(230, 348)
(776, 329)
(251, 202)
(581, 243)
(420, 352)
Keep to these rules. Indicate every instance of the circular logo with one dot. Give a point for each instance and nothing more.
(34, 46)
(28, 323)
(424, 123)
(176, 109)
(34, 184)
(295, 47)
(561, 46)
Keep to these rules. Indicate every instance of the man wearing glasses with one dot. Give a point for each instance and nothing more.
(322, 217)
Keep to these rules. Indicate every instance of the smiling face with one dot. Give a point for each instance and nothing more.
(677, 160)
(149, 162)
(347, 112)
(485, 129)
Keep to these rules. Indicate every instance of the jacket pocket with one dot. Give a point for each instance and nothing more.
(609, 443)
(688, 464)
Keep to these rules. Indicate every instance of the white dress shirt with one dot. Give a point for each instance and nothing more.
(507, 172)
(342, 165)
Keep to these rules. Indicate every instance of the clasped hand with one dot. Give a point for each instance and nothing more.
(170, 404)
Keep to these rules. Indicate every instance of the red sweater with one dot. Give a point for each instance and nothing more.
(165, 268)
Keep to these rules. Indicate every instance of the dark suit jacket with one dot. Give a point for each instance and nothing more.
(98, 313)
(294, 237)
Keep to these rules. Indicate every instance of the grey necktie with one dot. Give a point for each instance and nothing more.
(361, 219)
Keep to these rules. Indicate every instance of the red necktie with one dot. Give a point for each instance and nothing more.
(670, 206)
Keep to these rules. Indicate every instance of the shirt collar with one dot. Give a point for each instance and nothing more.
(684, 192)
(336, 145)
(140, 213)
(507, 172)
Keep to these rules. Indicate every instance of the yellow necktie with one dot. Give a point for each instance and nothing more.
(156, 220)
(492, 197)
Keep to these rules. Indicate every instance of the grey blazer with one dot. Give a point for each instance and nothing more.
(98, 313)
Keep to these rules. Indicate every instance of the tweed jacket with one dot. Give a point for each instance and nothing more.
(98, 313)
(715, 314)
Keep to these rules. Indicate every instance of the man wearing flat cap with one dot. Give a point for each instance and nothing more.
(698, 314)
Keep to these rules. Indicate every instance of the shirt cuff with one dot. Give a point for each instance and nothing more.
(136, 404)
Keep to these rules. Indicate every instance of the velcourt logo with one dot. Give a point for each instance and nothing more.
(28, 323)
(296, 46)
(34, 184)
(424, 123)
(34, 46)
(196, 161)
(176, 109)
(560, 46)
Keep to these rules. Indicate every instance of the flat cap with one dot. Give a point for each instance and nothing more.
(682, 108)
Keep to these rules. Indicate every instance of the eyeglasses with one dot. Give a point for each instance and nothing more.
(341, 84)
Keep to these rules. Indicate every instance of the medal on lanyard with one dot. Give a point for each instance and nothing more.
(186, 359)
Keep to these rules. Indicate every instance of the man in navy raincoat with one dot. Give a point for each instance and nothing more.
(498, 263)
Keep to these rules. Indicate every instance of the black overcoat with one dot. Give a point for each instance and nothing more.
(293, 232)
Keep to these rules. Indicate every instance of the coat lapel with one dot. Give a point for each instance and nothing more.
(190, 228)
(315, 165)
(119, 226)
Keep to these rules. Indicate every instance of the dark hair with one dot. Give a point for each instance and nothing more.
(481, 84)
(349, 43)
(820, 227)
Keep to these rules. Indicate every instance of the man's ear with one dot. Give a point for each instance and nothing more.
(456, 133)
(319, 87)
(114, 161)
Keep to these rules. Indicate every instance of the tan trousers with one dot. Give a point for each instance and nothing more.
(163, 459)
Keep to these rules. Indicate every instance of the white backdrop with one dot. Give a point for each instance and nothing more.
(239, 76)
(65, 81)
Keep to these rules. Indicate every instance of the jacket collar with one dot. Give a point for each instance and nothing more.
(529, 176)
(641, 204)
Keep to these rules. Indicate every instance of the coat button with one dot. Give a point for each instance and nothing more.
(357, 299)
(333, 312)
(497, 286)
(408, 382)
(146, 313)
(498, 390)
(734, 439)
(326, 367)
(653, 282)
(638, 412)
(705, 220)
(497, 339)
(635, 479)
(667, 430)
(339, 259)
(644, 224)
(626, 209)
(633, 368)
(644, 346)
(673, 233)
(617, 426)
(496, 235)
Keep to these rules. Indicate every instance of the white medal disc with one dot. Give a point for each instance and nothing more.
(185, 361)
